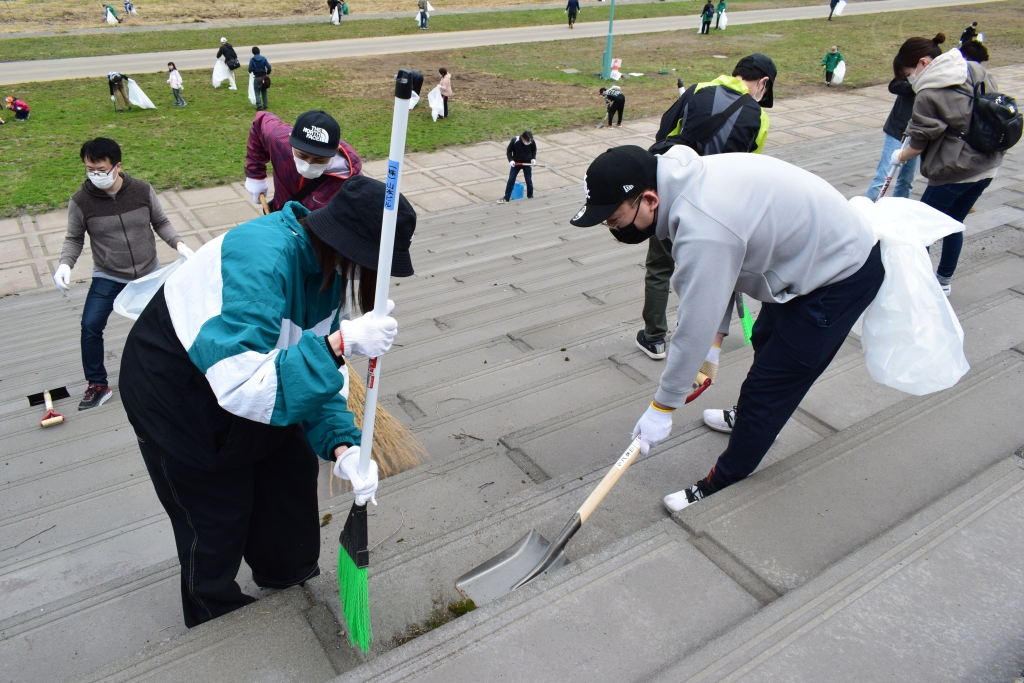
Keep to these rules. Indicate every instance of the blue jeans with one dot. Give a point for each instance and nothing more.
(793, 344)
(260, 92)
(99, 302)
(527, 176)
(904, 181)
(956, 201)
(423, 19)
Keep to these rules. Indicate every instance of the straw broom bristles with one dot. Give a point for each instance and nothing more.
(395, 448)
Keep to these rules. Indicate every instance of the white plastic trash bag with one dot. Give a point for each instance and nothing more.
(910, 336)
(137, 97)
(430, 8)
(221, 72)
(839, 73)
(723, 21)
(252, 89)
(335, 19)
(111, 17)
(436, 102)
(136, 295)
(414, 99)
(840, 7)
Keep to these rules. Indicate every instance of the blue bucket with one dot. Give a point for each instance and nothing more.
(519, 191)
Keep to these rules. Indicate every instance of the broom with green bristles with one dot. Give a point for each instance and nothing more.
(354, 554)
(746, 319)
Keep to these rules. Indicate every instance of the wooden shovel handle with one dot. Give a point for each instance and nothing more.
(266, 206)
(610, 479)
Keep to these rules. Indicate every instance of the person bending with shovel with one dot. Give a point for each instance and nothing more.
(784, 237)
(311, 162)
(233, 380)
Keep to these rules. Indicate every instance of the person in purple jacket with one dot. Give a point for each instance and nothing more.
(311, 162)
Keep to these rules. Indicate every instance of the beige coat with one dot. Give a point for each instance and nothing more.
(941, 113)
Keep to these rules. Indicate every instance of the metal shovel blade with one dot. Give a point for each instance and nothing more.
(500, 574)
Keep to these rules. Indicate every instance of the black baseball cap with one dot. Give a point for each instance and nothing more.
(316, 132)
(351, 225)
(610, 178)
(764, 64)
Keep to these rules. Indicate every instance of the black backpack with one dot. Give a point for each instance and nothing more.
(996, 122)
(697, 137)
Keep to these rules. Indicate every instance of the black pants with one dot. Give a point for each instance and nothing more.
(266, 512)
(513, 173)
(616, 105)
(828, 76)
(705, 26)
(444, 98)
(793, 344)
(572, 18)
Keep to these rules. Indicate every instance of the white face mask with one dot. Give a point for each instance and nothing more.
(308, 170)
(911, 79)
(103, 181)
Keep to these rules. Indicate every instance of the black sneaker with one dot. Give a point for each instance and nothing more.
(654, 349)
(681, 499)
(95, 396)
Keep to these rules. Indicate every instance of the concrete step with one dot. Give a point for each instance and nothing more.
(663, 595)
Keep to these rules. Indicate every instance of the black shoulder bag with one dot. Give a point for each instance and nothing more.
(700, 135)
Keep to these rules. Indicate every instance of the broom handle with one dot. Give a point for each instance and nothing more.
(610, 479)
(396, 157)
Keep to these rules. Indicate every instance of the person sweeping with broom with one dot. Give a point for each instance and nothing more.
(233, 380)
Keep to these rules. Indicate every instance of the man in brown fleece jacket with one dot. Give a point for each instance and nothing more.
(119, 213)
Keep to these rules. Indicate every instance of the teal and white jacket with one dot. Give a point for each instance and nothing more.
(248, 309)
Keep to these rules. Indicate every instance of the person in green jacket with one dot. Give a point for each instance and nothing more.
(830, 61)
(706, 15)
(719, 11)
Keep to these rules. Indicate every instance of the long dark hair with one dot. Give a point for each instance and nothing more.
(914, 50)
(331, 261)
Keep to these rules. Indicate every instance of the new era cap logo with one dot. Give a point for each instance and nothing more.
(586, 190)
(627, 188)
(580, 214)
(316, 134)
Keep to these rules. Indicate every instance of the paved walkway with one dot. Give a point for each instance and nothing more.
(318, 19)
(84, 67)
(452, 178)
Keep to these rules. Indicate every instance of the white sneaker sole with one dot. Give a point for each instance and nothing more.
(655, 356)
(674, 502)
(106, 397)
(723, 428)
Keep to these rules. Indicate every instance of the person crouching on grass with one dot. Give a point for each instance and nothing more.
(785, 237)
(234, 381)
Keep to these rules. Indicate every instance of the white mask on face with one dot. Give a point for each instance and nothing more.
(308, 170)
(103, 181)
(911, 79)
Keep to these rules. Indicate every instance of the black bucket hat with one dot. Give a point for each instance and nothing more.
(351, 224)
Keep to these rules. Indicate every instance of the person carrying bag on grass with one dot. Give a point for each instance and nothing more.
(260, 69)
(230, 60)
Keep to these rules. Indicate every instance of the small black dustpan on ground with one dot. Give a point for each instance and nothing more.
(533, 555)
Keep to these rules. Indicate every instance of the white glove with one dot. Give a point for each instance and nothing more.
(62, 277)
(185, 251)
(346, 468)
(896, 158)
(112, 99)
(511, 164)
(367, 336)
(654, 427)
(533, 162)
(256, 188)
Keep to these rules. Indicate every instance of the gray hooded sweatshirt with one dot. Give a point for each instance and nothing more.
(751, 224)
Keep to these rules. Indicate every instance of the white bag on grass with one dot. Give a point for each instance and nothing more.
(430, 8)
(414, 99)
(221, 72)
(723, 21)
(910, 336)
(840, 7)
(436, 102)
(137, 97)
(136, 295)
(111, 17)
(839, 73)
(252, 89)
(335, 19)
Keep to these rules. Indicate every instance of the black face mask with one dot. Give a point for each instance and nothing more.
(630, 234)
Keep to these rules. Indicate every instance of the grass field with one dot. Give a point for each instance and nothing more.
(15, 49)
(499, 90)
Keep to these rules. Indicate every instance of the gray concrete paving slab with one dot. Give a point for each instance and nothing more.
(274, 644)
(641, 592)
(901, 460)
